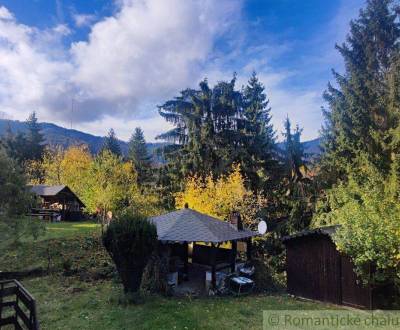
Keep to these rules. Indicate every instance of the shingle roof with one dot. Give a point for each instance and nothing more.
(328, 230)
(188, 225)
(44, 190)
(50, 191)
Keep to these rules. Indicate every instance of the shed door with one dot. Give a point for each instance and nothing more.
(353, 293)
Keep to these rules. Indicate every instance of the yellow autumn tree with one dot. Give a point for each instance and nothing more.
(51, 164)
(220, 197)
(75, 169)
(68, 167)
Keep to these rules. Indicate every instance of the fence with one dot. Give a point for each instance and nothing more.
(16, 306)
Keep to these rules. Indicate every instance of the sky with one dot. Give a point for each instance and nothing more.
(101, 64)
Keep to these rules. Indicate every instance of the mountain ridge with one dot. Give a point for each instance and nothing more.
(58, 135)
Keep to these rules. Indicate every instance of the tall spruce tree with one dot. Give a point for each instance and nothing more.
(26, 145)
(258, 133)
(138, 154)
(35, 139)
(216, 127)
(111, 143)
(358, 119)
(293, 151)
(297, 198)
(206, 128)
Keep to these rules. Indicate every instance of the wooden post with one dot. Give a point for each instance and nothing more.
(249, 248)
(186, 261)
(63, 210)
(233, 256)
(213, 266)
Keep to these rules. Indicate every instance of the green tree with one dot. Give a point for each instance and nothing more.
(258, 134)
(296, 189)
(28, 145)
(359, 118)
(35, 138)
(111, 184)
(130, 240)
(293, 152)
(217, 127)
(15, 201)
(15, 145)
(111, 143)
(367, 209)
(138, 154)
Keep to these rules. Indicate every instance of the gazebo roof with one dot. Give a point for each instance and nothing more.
(188, 225)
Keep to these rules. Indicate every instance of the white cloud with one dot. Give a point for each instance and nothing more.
(5, 14)
(147, 51)
(82, 20)
(29, 71)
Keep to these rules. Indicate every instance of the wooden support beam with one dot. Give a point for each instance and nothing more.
(186, 260)
(213, 266)
(249, 249)
(233, 256)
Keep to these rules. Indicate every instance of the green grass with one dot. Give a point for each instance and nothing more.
(66, 303)
(69, 229)
(75, 243)
(88, 297)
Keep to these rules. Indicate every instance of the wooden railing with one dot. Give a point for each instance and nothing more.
(17, 306)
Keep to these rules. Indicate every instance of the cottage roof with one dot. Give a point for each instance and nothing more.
(55, 191)
(44, 190)
(328, 231)
(188, 225)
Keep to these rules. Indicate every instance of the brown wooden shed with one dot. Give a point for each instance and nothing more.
(60, 198)
(316, 270)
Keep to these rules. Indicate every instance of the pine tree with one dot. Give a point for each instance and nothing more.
(258, 133)
(138, 154)
(358, 119)
(207, 123)
(35, 139)
(111, 143)
(16, 145)
(293, 151)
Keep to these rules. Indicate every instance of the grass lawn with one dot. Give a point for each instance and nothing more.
(69, 229)
(88, 297)
(66, 303)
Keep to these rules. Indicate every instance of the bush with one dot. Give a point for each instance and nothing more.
(368, 210)
(130, 240)
(154, 279)
(263, 277)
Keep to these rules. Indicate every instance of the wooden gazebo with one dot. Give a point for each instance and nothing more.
(176, 230)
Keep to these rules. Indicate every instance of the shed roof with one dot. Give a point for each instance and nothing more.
(188, 225)
(52, 191)
(328, 231)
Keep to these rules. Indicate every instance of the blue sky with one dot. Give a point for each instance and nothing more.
(112, 62)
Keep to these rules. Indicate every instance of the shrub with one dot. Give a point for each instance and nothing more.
(368, 210)
(130, 240)
(155, 274)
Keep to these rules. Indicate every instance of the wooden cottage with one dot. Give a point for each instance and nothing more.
(55, 200)
(316, 270)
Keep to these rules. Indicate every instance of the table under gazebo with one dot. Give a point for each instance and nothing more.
(188, 231)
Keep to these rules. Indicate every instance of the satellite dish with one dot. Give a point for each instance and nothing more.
(262, 227)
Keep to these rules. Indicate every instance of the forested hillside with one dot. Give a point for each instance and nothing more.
(57, 135)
